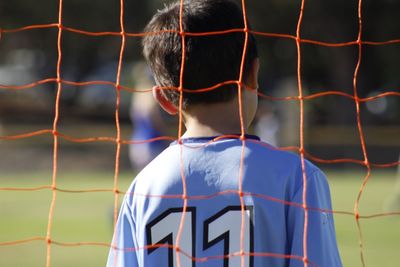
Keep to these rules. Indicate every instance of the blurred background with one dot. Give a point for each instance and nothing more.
(89, 111)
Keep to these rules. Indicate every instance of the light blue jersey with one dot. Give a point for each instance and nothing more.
(268, 230)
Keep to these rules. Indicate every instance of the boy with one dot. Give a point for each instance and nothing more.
(212, 199)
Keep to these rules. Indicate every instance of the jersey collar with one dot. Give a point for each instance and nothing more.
(204, 139)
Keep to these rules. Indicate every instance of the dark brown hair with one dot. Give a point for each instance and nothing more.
(209, 60)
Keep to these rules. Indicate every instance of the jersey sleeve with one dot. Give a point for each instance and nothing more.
(322, 249)
(122, 252)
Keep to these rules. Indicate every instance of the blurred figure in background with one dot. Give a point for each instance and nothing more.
(392, 203)
(146, 119)
(266, 122)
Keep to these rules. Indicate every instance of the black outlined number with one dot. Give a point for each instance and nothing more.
(164, 230)
(225, 226)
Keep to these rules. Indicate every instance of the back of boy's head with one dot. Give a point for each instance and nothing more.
(209, 60)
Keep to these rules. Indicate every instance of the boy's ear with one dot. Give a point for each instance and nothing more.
(164, 103)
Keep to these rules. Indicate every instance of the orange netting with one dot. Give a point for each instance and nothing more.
(118, 141)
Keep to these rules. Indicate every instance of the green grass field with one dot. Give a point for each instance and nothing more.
(87, 217)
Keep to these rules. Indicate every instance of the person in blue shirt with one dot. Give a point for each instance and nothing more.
(147, 120)
(217, 196)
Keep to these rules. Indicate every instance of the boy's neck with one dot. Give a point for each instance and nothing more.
(198, 129)
(213, 119)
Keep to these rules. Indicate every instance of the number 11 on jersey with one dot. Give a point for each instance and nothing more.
(223, 227)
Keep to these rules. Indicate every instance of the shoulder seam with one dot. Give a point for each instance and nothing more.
(308, 177)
